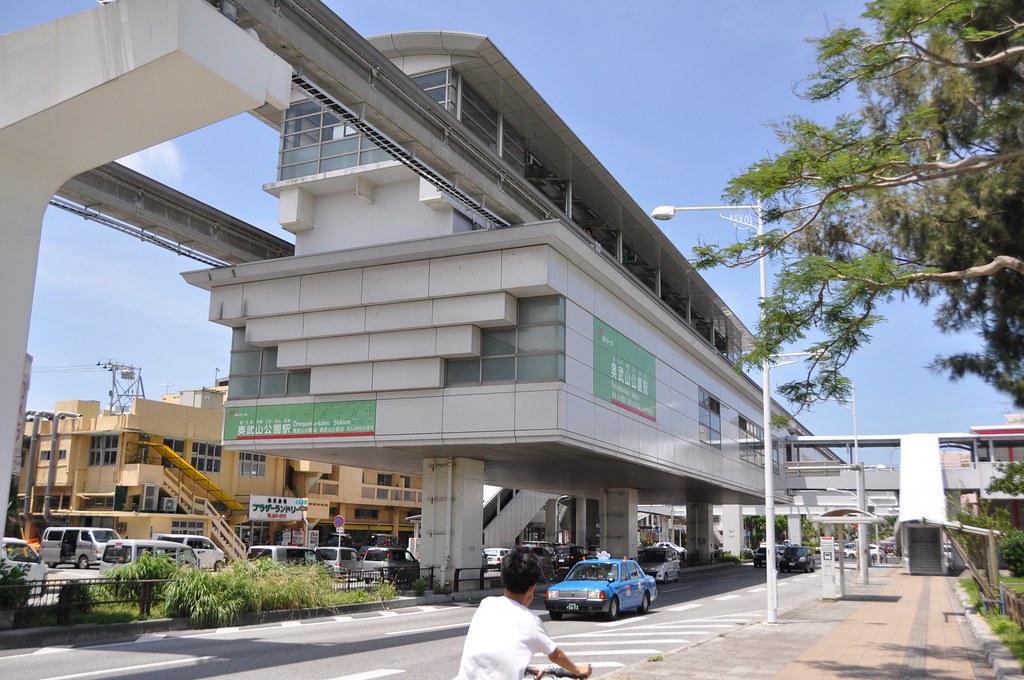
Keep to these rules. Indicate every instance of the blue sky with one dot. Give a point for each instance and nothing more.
(671, 97)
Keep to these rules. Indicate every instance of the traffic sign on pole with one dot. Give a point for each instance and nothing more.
(339, 521)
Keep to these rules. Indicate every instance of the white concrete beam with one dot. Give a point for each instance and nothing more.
(93, 87)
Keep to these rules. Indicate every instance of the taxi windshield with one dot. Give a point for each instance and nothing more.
(593, 572)
(21, 553)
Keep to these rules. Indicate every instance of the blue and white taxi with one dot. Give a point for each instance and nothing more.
(602, 587)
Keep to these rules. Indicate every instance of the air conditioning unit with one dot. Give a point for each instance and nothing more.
(168, 505)
(150, 497)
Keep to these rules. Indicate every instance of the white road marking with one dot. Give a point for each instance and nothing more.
(723, 598)
(610, 652)
(152, 637)
(130, 669)
(387, 612)
(339, 619)
(290, 624)
(682, 607)
(757, 590)
(577, 643)
(368, 675)
(427, 630)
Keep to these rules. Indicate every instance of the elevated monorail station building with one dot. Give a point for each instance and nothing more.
(472, 296)
(536, 331)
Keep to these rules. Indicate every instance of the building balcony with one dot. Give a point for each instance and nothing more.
(137, 474)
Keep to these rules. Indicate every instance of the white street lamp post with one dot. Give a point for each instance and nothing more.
(667, 212)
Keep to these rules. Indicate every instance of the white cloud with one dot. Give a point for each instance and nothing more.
(163, 162)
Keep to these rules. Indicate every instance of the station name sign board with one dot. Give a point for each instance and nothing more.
(624, 372)
(296, 421)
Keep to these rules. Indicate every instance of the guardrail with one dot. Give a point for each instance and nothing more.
(478, 578)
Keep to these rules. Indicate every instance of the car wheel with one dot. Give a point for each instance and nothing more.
(51, 565)
(645, 604)
(83, 562)
(613, 610)
(555, 616)
(218, 565)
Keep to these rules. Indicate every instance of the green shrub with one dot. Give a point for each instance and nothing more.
(1012, 551)
(11, 592)
(420, 586)
(146, 567)
(199, 597)
(728, 557)
(386, 591)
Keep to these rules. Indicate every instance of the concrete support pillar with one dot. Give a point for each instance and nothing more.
(699, 531)
(79, 82)
(579, 528)
(732, 529)
(795, 530)
(452, 523)
(551, 520)
(618, 522)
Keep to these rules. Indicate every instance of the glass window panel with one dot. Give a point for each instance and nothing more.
(330, 119)
(302, 170)
(303, 108)
(462, 371)
(339, 162)
(339, 144)
(375, 155)
(273, 384)
(541, 367)
(238, 340)
(433, 79)
(540, 310)
(269, 360)
(301, 124)
(298, 382)
(240, 387)
(245, 362)
(499, 370)
(302, 139)
(498, 341)
(540, 339)
(308, 153)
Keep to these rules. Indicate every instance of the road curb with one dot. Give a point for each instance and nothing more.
(1004, 664)
(88, 632)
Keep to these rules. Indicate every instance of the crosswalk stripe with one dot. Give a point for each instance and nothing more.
(610, 652)
(369, 675)
(682, 607)
(723, 598)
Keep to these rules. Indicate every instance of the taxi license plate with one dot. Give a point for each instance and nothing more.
(572, 607)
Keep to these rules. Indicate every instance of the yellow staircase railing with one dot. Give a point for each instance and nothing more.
(200, 479)
(221, 532)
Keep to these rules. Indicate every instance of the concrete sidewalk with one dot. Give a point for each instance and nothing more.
(900, 626)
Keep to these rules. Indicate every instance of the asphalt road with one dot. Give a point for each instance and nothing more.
(424, 643)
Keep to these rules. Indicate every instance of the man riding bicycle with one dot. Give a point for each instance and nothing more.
(504, 634)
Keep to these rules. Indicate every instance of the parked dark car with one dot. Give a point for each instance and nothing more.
(759, 560)
(798, 557)
(566, 556)
(397, 564)
(337, 540)
(545, 552)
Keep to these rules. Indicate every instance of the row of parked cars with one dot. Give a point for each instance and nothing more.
(662, 560)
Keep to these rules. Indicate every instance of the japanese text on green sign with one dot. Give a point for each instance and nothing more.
(289, 421)
(624, 372)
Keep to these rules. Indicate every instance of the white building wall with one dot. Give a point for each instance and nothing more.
(426, 310)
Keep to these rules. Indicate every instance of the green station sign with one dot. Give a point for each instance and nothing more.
(292, 421)
(624, 372)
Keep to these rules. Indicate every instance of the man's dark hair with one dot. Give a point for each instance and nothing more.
(520, 569)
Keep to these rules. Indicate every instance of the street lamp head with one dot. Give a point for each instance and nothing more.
(664, 212)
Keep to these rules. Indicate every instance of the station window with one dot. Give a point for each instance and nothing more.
(710, 420)
(751, 442)
(254, 372)
(252, 464)
(206, 456)
(533, 351)
(314, 140)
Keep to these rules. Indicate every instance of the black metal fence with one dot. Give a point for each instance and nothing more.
(63, 596)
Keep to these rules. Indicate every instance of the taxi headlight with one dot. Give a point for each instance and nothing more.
(595, 594)
(552, 594)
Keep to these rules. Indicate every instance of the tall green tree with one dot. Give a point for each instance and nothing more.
(919, 194)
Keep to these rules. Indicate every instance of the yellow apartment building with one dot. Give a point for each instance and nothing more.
(160, 467)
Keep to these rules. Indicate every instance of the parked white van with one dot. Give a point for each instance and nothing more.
(124, 550)
(209, 555)
(16, 553)
(80, 546)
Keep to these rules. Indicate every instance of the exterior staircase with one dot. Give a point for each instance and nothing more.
(221, 532)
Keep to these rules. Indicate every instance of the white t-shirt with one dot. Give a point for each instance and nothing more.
(503, 637)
